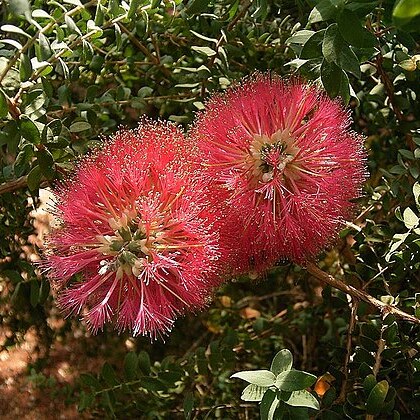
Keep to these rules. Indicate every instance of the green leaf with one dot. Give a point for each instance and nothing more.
(95, 31)
(188, 405)
(205, 38)
(34, 295)
(269, 405)
(64, 68)
(400, 239)
(23, 159)
(369, 383)
(253, 393)
(4, 107)
(20, 7)
(204, 50)
(118, 36)
(353, 32)
(11, 42)
(97, 63)
(282, 361)
(410, 218)
(29, 130)
(377, 397)
(145, 91)
(79, 126)
(34, 103)
(405, 10)
(134, 5)
(131, 363)
(108, 403)
(324, 10)
(44, 291)
(46, 163)
(416, 192)
(14, 276)
(144, 362)
(34, 178)
(153, 384)
(14, 29)
(45, 47)
(25, 68)
(256, 377)
(335, 81)
(55, 126)
(313, 46)
(302, 398)
(197, 6)
(109, 375)
(294, 380)
(88, 380)
(336, 50)
(41, 14)
(71, 25)
(300, 37)
(85, 401)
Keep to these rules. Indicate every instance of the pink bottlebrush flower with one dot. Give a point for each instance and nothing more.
(135, 246)
(282, 156)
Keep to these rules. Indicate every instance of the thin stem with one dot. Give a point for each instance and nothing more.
(14, 185)
(389, 87)
(359, 294)
(354, 304)
(155, 60)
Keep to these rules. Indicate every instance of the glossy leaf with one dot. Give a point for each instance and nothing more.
(25, 67)
(377, 397)
(29, 130)
(335, 81)
(336, 50)
(352, 30)
(79, 126)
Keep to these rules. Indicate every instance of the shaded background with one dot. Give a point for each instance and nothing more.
(73, 71)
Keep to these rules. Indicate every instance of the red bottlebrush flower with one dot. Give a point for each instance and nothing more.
(135, 246)
(283, 157)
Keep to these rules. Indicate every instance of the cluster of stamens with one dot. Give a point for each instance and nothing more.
(130, 246)
(271, 155)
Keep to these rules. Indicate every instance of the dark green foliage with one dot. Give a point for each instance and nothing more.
(74, 71)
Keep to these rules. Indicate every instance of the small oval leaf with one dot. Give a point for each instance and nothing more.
(257, 377)
(282, 361)
(294, 380)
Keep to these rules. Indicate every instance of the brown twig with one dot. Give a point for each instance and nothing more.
(13, 185)
(136, 42)
(389, 87)
(240, 15)
(359, 294)
(61, 112)
(381, 348)
(354, 304)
